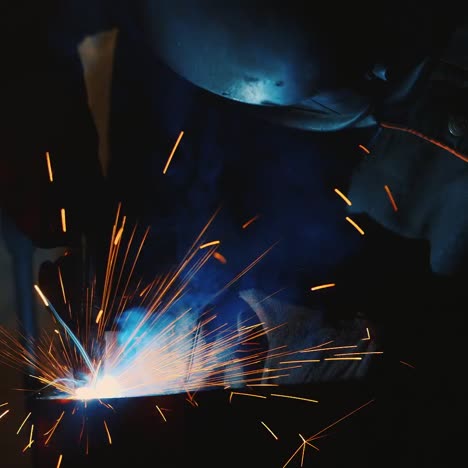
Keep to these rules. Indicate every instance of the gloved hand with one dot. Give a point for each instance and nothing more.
(302, 328)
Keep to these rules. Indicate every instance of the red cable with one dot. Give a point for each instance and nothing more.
(391, 126)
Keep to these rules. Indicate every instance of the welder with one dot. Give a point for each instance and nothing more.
(329, 68)
(395, 78)
(257, 87)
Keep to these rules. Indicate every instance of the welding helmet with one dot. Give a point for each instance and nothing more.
(305, 65)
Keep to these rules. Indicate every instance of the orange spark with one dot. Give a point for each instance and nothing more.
(161, 413)
(303, 451)
(321, 345)
(364, 352)
(209, 244)
(353, 223)
(390, 196)
(28, 446)
(118, 236)
(146, 289)
(407, 364)
(264, 385)
(294, 397)
(23, 423)
(59, 462)
(64, 219)
(316, 349)
(4, 413)
(106, 405)
(343, 196)
(364, 149)
(30, 439)
(303, 447)
(250, 221)
(49, 167)
(245, 394)
(308, 443)
(339, 420)
(192, 402)
(173, 152)
(220, 258)
(51, 431)
(62, 286)
(315, 436)
(99, 315)
(41, 295)
(323, 286)
(300, 361)
(293, 455)
(248, 268)
(4, 404)
(109, 438)
(343, 359)
(269, 430)
(367, 337)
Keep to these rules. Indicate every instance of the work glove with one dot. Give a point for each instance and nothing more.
(295, 328)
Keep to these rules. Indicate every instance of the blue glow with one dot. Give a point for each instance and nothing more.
(73, 337)
(166, 355)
